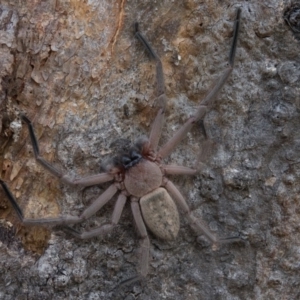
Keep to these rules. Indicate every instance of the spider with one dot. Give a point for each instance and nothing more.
(140, 175)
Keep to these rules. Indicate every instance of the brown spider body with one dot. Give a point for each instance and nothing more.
(142, 178)
(138, 176)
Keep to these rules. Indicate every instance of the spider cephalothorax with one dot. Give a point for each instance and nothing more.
(138, 174)
(137, 169)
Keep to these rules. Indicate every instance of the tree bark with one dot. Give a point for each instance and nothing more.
(78, 73)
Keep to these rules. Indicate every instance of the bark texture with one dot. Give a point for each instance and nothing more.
(76, 70)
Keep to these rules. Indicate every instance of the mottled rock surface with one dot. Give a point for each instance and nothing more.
(76, 70)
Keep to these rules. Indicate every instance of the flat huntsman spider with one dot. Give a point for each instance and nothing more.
(139, 175)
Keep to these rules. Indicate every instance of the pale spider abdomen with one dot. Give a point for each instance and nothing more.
(142, 178)
(160, 214)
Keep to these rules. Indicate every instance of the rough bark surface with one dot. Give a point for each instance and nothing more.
(76, 70)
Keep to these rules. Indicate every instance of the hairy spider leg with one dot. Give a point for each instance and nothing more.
(197, 224)
(86, 181)
(103, 229)
(145, 242)
(157, 125)
(208, 101)
(63, 219)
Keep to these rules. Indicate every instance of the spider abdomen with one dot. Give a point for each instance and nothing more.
(142, 178)
(160, 214)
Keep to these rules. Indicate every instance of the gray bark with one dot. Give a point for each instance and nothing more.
(76, 70)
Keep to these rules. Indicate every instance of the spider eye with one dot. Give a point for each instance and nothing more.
(126, 161)
(135, 155)
(130, 160)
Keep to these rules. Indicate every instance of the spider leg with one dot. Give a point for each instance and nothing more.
(196, 224)
(181, 170)
(145, 244)
(64, 219)
(86, 181)
(159, 68)
(105, 228)
(208, 101)
(67, 219)
(161, 97)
